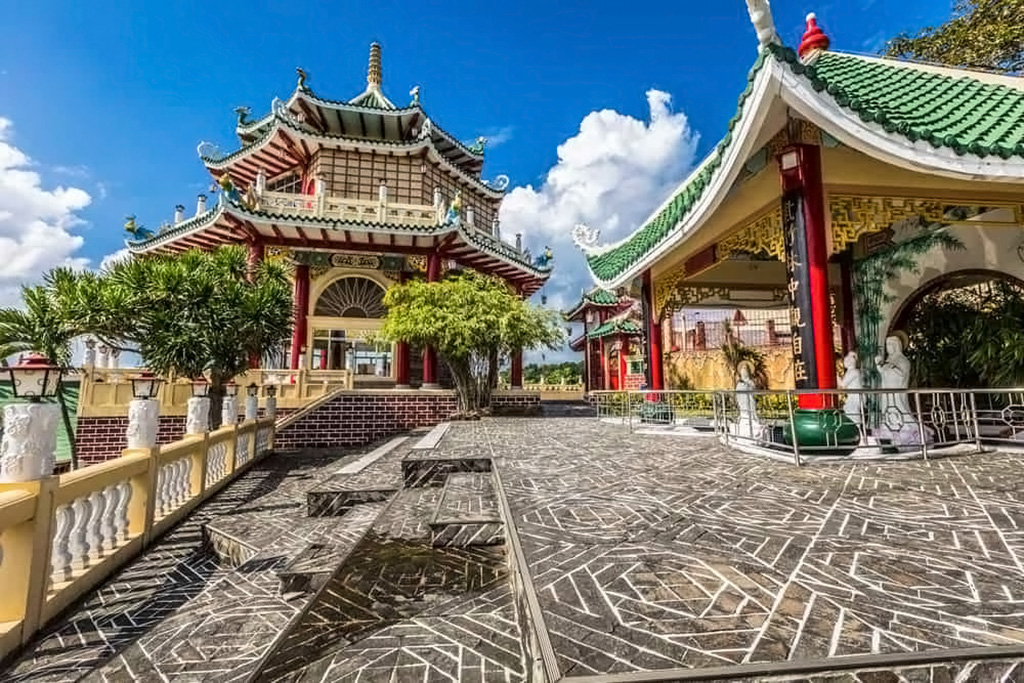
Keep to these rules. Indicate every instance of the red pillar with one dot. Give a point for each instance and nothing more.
(402, 355)
(654, 356)
(301, 300)
(803, 215)
(605, 377)
(430, 354)
(623, 350)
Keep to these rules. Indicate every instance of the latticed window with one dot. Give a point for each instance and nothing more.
(290, 182)
(352, 297)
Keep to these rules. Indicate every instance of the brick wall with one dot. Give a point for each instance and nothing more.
(359, 419)
(515, 403)
(102, 438)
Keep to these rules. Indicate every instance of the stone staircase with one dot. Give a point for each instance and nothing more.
(467, 512)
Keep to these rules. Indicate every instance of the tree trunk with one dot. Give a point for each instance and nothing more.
(465, 389)
(216, 399)
(67, 426)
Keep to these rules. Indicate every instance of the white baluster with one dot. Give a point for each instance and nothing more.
(80, 533)
(60, 555)
(109, 525)
(183, 471)
(124, 497)
(161, 491)
(98, 508)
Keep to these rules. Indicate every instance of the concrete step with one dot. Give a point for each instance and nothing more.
(310, 569)
(374, 477)
(467, 513)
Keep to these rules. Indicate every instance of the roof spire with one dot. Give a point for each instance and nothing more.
(373, 75)
(760, 12)
(814, 38)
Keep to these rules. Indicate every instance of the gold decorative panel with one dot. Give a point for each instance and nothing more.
(664, 287)
(762, 237)
(853, 216)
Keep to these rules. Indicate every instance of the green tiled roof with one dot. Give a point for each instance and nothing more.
(70, 390)
(959, 112)
(616, 327)
(601, 297)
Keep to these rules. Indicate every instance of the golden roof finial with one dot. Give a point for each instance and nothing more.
(373, 75)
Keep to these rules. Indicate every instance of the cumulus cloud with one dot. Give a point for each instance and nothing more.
(36, 223)
(118, 256)
(611, 175)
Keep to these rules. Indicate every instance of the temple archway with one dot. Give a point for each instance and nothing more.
(938, 316)
(351, 296)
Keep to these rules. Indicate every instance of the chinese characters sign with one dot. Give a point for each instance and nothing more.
(799, 290)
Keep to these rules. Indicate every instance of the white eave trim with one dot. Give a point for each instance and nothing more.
(894, 149)
(755, 110)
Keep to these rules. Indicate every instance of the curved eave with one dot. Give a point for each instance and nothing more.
(286, 144)
(577, 343)
(233, 224)
(778, 79)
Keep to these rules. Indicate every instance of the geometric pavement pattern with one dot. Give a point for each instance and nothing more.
(657, 553)
(644, 553)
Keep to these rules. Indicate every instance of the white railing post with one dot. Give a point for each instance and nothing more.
(28, 449)
(143, 423)
(197, 418)
(252, 408)
(229, 411)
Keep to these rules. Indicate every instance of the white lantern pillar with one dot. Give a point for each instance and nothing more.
(101, 358)
(229, 411)
(115, 358)
(89, 361)
(28, 450)
(252, 407)
(270, 405)
(143, 423)
(197, 416)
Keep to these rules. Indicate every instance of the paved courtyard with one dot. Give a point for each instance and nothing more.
(645, 553)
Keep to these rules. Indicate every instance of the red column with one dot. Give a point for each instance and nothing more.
(430, 354)
(654, 356)
(402, 355)
(807, 262)
(301, 309)
(517, 369)
(623, 350)
(605, 378)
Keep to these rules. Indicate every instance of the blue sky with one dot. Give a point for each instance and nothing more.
(600, 106)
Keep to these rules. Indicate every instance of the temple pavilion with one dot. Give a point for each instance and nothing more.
(611, 341)
(835, 194)
(358, 194)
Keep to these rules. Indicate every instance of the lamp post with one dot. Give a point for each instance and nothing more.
(144, 411)
(229, 407)
(252, 401)
(197, 418)
(28, 449)
(271, 401)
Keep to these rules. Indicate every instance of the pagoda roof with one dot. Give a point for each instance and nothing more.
(231, 222)
(370, 116)
(595, 298)
(285, 141)
(937, 120)
(625, 326)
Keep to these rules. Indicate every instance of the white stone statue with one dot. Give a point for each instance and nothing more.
(760, 12)
(897, 420)
(28, 449)
(143, 423)
(852, 381)
(197, 417)
(89, 360)
(749, 425)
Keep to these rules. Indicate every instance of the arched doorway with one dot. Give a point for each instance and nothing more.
(346, 314)
(937, 317)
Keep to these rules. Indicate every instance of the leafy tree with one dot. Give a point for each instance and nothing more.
(982, 34)
(471, 320)
(40, 327)
(736, 352)
(187, 314)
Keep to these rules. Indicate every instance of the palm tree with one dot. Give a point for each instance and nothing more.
(40, 327)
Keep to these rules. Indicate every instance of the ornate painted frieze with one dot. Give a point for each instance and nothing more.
(762, 237)
(853, 216)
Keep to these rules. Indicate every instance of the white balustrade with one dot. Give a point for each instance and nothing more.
(216, 462)
(242, 450)
(345, 208)
(60, 554)
(174, 485)
(263, 440)
(88, 529)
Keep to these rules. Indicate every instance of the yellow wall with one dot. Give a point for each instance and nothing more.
(707, 369)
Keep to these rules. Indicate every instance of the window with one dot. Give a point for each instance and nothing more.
(334, 350)
(290, 182)
(352, 297)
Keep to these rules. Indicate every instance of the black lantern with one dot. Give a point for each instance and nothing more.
(35, 378)
(253, 390)
(200, 387)
(230, 388)
(145, 385)
(271, 390)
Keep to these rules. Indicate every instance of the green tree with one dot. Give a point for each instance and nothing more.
(982, 34)
(40, 327)
(471, 320)
(188, 314)
(735, 352)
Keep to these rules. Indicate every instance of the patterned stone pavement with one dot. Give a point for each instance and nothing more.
(644, 552)
(656, 553)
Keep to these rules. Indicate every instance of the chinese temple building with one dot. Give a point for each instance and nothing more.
(611, 341)
(358, 194)
(844, 187)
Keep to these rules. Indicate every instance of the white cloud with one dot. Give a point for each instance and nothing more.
(116, 257)
(35, 223)
(610, 175)
(499, 136)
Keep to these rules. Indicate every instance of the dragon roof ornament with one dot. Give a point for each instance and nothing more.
(761, 17)
(585, 237)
